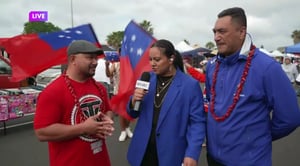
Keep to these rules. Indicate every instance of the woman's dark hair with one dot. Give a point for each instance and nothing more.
(168, 49)
(178, 60)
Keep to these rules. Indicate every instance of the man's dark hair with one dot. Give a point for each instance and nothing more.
(236, 13)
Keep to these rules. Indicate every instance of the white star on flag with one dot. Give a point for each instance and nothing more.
(133, 37)
(135, 43)
(139, 52)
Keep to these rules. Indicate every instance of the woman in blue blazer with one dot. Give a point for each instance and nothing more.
(171, 119)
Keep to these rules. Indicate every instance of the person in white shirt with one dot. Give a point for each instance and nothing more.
(290, 69)
(112, 70)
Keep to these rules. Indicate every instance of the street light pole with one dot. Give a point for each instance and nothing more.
(72, 13)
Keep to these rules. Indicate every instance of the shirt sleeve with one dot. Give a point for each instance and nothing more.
(196, 74)
(283, 100)
(48, 109)
(197, 120)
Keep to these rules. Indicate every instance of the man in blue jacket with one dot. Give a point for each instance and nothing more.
(252, 102)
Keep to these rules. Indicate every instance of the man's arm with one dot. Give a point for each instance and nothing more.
(60, 132)
(109, 70)
(283, 100)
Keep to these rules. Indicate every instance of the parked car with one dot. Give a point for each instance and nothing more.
(6, 74)
(48, 75)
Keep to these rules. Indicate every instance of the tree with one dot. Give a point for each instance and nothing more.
(146, 25)
(38, 27)
(210, 45)
(296, 36)
(114, 39)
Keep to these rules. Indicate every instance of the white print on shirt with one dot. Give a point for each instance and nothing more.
(90, 105)
(96, 147)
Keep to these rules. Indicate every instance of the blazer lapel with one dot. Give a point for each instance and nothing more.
(151, 93)
(170, 97)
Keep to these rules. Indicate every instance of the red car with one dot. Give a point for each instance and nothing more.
(6, 72)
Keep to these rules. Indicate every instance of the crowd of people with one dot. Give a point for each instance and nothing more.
(290, 66)
(248, 105)
(112, 71)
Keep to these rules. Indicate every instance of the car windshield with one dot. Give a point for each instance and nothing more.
(4, 68)
(56, 67)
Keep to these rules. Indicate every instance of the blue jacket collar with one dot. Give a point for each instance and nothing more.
(241, 54)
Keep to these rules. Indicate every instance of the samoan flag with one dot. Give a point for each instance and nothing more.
(32, 53)
(134, 60)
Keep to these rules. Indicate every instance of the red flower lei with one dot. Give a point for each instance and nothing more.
(238, 90)
(72, 90)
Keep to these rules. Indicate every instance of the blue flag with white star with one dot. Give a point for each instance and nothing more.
(61, 39)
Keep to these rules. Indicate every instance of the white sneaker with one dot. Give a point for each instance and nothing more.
(128, 132)
(122, 136)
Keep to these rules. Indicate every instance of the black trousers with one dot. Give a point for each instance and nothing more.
(212, 162)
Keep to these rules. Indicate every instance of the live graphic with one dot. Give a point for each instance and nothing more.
(38, 16)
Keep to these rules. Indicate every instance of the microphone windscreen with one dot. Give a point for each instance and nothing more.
(145, 76)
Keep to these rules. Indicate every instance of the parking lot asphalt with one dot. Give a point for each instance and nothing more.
(20, 147)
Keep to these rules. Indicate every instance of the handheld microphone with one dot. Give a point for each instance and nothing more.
(142, 84)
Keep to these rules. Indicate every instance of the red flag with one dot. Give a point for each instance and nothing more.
(30, 54)
(3, 40)
(134, 60)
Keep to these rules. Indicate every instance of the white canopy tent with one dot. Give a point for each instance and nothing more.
(277, 53)
(183, 47)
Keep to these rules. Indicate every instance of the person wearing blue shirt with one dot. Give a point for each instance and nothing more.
(251, 100)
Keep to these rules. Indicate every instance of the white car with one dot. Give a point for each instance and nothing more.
(47, 76)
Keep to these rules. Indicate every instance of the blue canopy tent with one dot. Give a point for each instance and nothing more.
(295, 49)
(195, 56)
(111, 56)
(196, 52)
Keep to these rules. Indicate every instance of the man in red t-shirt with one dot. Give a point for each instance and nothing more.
(73, 113)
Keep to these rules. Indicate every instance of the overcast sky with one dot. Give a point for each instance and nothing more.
(270, 23)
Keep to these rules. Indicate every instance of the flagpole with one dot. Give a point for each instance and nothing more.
(72, 13)
(64, 66)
